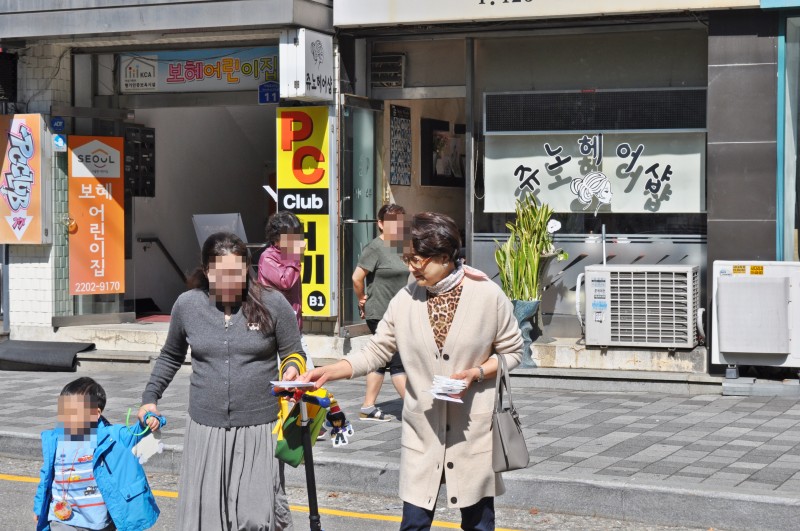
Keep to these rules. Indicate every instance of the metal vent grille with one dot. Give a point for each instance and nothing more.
(602, 110)
(388, 70)
(642, 306)
(653, 307)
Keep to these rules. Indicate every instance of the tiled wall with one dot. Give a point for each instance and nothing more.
(36, 273)
(742, 118)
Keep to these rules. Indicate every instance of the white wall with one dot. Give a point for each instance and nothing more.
(209, 160)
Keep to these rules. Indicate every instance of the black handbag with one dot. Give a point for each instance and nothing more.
(509, 451)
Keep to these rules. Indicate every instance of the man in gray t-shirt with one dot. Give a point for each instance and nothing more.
(382, 267)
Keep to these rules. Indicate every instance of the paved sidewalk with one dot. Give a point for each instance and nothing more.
(708, 460)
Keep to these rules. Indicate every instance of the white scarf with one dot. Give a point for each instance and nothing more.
(449, 282)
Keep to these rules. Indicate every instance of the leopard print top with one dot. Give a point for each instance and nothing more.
(441, 310)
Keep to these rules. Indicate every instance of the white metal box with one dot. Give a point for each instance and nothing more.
(306, 65)
(754, 313)
(642, 306)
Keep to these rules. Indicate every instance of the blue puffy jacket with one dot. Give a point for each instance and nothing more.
(119, 475)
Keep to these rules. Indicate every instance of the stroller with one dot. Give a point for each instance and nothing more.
(298, 431)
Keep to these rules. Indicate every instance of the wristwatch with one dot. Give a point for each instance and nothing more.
(480, 374)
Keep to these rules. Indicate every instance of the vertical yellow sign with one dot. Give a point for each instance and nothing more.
(303, 187)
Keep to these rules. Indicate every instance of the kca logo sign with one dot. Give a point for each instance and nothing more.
(96, 159)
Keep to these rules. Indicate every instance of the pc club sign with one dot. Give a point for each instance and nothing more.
(303, 188)
(24, 193)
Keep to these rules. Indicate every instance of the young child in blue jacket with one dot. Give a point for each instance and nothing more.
(90, 479)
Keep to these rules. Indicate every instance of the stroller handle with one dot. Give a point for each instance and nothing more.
(305, 397)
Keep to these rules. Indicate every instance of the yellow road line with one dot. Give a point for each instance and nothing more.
(20, 479)
(297, 508)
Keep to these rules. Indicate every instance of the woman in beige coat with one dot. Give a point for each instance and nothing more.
(453, 322)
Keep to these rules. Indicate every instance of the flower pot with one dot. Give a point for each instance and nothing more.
(525, 313)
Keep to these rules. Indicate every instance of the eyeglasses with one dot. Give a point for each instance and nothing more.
(417, 262)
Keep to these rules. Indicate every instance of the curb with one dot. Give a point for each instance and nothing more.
(638, 502)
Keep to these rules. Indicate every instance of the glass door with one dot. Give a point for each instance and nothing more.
(361, 173)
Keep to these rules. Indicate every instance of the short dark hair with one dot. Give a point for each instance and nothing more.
(391, 208)
(281, 222)
(435, 234)
(89, 388)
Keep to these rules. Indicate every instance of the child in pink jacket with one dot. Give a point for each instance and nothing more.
(279, 264)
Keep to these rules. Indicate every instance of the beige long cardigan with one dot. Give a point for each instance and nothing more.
(440, 436)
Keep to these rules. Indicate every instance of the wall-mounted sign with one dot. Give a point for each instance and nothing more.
(303, 188)
(96, 204)
(591, 172)
(306, 65)
(350, 13)
(269, 92)
(213, 70)
(60, 143)
(57, 124)
(400, 145)
(23, 197)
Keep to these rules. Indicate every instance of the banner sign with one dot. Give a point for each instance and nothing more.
(96, 205)
(217, 70)
(303, 187)
(591, 172)
(21, 205)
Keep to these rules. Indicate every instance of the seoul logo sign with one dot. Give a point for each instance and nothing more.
(96, 159)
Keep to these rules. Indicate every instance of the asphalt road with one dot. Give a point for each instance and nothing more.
(341, 511)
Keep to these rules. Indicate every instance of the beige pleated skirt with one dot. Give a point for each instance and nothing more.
(231, 481)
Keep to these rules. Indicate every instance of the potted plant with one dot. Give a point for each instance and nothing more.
(522, 259)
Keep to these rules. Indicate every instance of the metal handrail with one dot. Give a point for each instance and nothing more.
(157, 241)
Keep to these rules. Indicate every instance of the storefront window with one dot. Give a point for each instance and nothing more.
(791, 109)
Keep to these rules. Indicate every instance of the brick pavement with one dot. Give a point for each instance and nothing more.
(708, 445)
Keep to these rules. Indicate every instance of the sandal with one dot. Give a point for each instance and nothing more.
(377, 415)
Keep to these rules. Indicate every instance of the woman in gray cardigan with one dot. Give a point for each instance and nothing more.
(453, 322)
(229, 478)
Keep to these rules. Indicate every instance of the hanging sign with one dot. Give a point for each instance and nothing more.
(21, 202)
(591, 172)
(97, 215)
(303, 188)
(306, 65)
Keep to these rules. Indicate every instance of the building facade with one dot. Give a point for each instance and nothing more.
(655, 122)
(670, 127)
(192, 88)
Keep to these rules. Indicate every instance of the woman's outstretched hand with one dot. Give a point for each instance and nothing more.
(318, 376)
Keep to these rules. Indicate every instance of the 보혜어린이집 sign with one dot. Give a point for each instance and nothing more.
(223, 69)
(590, 172)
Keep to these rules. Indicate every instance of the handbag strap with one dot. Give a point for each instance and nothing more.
(502, 380)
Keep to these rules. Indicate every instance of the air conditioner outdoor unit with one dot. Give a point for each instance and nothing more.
(642, 306)
(754, 317)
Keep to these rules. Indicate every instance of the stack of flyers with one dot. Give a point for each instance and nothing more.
(442, 387)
